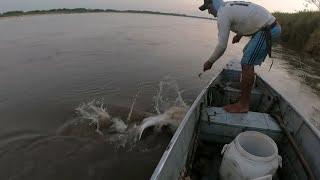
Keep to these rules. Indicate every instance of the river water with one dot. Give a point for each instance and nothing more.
(52, 63)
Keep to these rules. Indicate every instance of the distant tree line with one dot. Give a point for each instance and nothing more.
(84, 10)
(55, 11)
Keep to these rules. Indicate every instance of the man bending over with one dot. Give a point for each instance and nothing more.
(244, 19)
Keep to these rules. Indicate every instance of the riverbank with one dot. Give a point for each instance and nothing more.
(84, 10)
(301, 31)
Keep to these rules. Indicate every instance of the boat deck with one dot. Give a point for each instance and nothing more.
(222, 127)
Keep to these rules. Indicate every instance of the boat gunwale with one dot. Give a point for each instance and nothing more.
(176, 135)
(304, 119)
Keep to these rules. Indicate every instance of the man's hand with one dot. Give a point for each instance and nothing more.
(207, 65)
(236, 39)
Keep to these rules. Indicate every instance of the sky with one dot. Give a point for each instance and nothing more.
(174, 6)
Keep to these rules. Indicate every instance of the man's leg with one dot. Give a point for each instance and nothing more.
(254, 53)
(246, 86)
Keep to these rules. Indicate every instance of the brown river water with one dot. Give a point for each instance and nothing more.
(51, 64)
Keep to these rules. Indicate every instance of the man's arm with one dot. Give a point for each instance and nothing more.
(223, 35)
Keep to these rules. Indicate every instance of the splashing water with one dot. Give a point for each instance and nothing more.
(96, 112)
(168, 96)
(112, 129)
(170, 107)
(133, 103)
(170, 118)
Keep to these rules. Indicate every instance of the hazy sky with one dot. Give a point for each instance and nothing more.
(178, 6)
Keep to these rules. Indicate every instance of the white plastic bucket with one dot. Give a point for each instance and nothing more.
(251, 155)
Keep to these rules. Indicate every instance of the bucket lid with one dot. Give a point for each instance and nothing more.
(256, 146)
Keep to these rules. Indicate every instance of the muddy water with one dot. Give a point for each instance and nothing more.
(52, 64)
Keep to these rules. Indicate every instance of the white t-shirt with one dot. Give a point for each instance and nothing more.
(243, 18)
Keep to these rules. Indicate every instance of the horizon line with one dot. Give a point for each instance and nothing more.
(12, 13)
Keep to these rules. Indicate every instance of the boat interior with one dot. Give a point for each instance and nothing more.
(218, 127)
(195, 149)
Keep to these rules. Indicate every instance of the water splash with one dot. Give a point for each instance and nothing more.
(168, 96)
(94, 116)
(170, 118)
(133, 103)
(111, 129)
(96, 112)
(170, 108)
(118, 126)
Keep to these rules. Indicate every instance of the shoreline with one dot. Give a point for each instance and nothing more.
(83, 11)
(301, 32)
